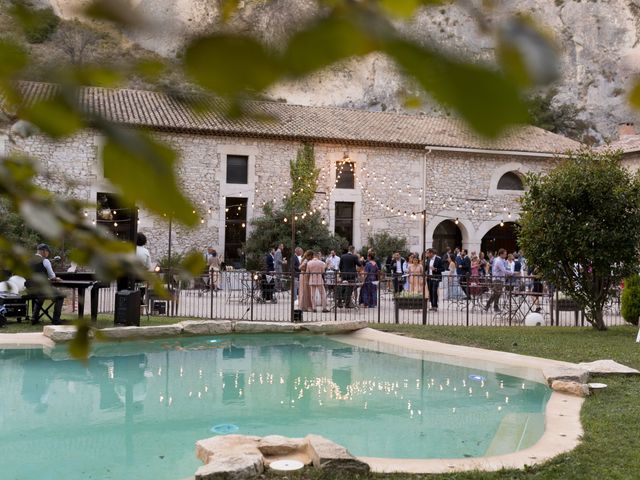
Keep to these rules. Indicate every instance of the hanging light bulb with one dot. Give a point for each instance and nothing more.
(501, 223)
(243, 225)
(323, 222)
(509, 215)
(457, 221)
(115, 224)
(368, 222)
(202, 220)
(285, 219)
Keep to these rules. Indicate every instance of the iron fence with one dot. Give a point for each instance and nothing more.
(401, 299)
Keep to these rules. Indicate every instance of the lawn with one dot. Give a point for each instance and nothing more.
(104, 321)
(611, 419)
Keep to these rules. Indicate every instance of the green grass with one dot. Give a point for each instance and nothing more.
(104, 321)
(611, 419)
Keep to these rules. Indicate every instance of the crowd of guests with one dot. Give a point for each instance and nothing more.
(455, 272)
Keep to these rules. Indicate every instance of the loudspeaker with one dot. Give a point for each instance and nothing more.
(127, 308)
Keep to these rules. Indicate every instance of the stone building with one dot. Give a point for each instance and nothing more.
(379, 171)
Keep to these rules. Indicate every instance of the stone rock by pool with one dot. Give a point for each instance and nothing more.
(607, 367)
(240, 457)
(567, 374)
(573, 388)
(206, 327)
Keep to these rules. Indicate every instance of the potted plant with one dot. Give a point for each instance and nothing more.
(409, 301)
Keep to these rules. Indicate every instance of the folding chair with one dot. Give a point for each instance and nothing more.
(40, 310)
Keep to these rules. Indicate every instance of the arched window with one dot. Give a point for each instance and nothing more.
(510, 181)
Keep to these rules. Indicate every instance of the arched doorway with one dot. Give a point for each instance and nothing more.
(446, 234)
(501, 237)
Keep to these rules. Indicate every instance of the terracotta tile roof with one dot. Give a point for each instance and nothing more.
(626, 143)
(330, 124)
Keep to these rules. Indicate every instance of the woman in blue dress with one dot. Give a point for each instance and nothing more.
(369, 290)
(451, 284)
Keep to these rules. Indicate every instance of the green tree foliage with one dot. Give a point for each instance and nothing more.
(271, 229)
(304, 180)
(558, 118)
(630, 300)
(384, 244)
(38, 24)
(275, 225)
(580, 226)
(14, 228)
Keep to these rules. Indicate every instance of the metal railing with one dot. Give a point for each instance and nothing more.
(374, 298)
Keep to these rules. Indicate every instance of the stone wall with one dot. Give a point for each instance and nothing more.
(458, 185)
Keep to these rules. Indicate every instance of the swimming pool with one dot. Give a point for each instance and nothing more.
(137, 408)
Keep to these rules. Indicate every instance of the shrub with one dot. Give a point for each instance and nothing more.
(384, 244)
(630, 301)
(38, 24)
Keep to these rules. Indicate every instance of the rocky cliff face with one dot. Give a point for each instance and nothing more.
(599, 43)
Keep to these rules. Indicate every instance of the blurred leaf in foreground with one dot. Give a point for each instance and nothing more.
(143, 170)
(480, 95)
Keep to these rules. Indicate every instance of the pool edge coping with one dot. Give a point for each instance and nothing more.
(562, 430)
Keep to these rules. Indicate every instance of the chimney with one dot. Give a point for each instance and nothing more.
(626, 129)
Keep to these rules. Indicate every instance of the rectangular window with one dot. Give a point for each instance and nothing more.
(345, 175)
(237, 168)
(344, 220)
(235, 231)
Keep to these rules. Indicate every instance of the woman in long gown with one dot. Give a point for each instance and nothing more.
(369, 290)
(416, 277)
(405, 273)
(455, 291)
(304, 290)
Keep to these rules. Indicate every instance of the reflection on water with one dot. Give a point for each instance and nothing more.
(136, 409)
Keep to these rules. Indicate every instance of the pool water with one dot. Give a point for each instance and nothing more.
(136, 409)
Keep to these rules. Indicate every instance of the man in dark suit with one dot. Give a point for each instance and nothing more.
(269, 260)
(348, 273)
(267, 277)
(465, 272)
(433, 267)
(396, 268)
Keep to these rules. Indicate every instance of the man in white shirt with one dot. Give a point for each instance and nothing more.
(142, 253)
(499, 270)
(397, 270)
(333, 261)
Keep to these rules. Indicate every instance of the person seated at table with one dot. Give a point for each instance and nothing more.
(42, 271)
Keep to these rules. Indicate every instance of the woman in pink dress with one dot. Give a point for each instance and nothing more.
(304, 291)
